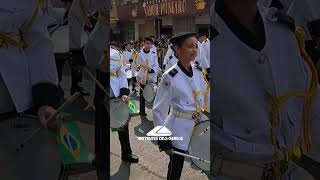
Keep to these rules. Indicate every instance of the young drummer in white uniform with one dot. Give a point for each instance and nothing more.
(170, 59)
(263, 83)
(148, 69)
(118, 88)
(78, 18)
(28, 76)
(128, 56)
(182, 87)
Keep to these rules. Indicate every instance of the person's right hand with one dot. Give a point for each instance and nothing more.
(169, 152)
(45, 113)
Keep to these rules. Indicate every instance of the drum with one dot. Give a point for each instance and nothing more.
(119, 113)
(129, 73)
(39, 159)
(149, 92)
(201, 138)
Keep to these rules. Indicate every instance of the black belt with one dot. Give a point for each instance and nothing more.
(13, 114)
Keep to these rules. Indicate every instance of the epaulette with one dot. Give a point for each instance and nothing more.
(173, 72)
(213, 33)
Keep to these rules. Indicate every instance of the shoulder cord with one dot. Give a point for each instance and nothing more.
(276, 102)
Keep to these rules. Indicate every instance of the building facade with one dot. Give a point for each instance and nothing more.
(139, 18)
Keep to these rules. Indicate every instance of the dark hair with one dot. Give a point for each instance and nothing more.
(147, 39)
(202, 34)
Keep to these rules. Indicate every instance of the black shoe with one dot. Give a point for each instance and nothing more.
(130, 158)
(79, 89)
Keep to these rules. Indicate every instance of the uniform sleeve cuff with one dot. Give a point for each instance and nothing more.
(164, 145)
(45, 94)
(124, 91)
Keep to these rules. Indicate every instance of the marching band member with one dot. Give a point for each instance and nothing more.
(154, 48)
(28, 75)
(170, 59)
(78, 19)
(148, 69)
(118, 88)
(263, 87)
(184, 88)
(203, 59)
(128, 56)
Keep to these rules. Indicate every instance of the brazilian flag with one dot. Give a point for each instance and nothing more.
(71, 145)
(132, 107)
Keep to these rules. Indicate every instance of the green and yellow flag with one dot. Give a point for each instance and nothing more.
(71, 145)
(132, 107)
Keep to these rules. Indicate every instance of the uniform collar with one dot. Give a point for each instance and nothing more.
(146, 51)
(190, 74)
(255, 40)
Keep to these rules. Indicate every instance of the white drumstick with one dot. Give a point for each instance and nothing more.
(139, 86)
(51, 118)
(190, 156)
(202, 133)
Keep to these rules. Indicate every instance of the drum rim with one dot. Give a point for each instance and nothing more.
(192, 160)
(127, 110)
(148, 85)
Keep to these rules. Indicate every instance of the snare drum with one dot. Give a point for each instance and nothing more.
(149, 92)
(39, 159)
(119, 113)
(129, 73)
(201, 138)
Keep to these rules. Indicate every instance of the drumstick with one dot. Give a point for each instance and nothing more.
(190, 156)
(51, 118)
(139, 86)
(202, 133)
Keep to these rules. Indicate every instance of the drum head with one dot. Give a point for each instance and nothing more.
(201, 138)
(149, 92)
(119, 113)
(129, 73)
(38, 159)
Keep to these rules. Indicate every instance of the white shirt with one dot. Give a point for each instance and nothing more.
(176, 90)
(169, 59)
(116, 65)
(151, 60)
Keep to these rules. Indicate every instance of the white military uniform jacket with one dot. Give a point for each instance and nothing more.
(149, 59)
(176, 90)
(205, 54)
(119, 80)
(22, 68)
(127, 56)
(242, 76)
(77, 22)
(170, 59)
(154, 49)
